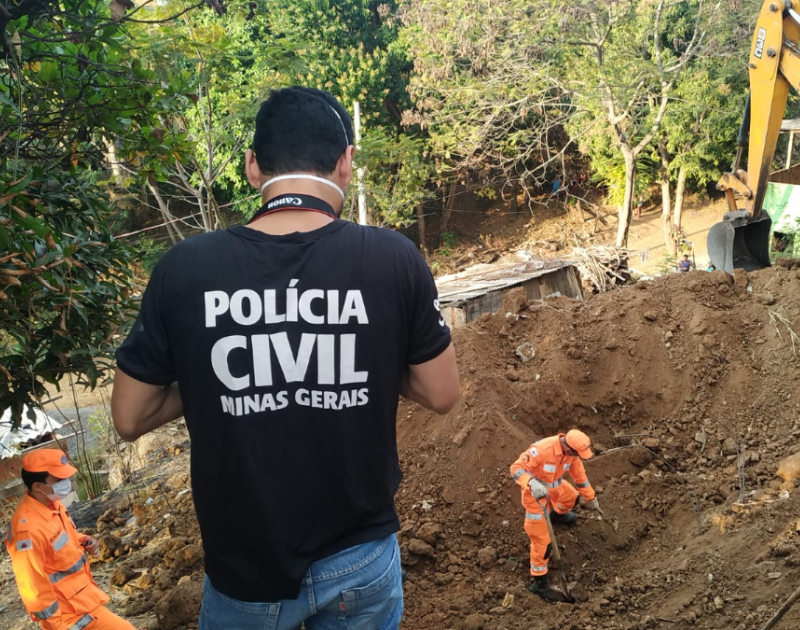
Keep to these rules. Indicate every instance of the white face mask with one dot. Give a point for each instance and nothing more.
(60, 490)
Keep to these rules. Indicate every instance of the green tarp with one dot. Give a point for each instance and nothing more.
(782, 201)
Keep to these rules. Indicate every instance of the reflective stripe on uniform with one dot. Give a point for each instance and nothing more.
(549, 468)
(48, 612)
(534, 517)
(81, 623)
(24, 545)
(555, 484)
(519, 474)
(58, 543)
(60, 575)
(567, 466)
(537, 568)
(585, 484)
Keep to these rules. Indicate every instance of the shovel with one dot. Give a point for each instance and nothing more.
(555, 557)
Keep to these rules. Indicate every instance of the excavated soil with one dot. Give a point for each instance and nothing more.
(688, 386)
(690, 392)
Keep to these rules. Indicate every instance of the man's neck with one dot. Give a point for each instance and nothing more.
(289, 221)
(41, 498)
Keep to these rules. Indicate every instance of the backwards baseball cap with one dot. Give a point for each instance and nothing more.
(49, 460)
(580, 442)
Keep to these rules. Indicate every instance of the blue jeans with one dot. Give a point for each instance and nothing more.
(356, 589)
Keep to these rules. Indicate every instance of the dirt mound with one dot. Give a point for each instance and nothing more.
(689, 387)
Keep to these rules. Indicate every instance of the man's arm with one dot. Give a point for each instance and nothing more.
(578, 473)
(138, 408)
(433, 384)
(27, 559)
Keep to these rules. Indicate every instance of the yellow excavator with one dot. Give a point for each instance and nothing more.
(741, 239)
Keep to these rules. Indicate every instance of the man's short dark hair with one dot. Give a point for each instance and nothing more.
(29, 478)
(300, 129)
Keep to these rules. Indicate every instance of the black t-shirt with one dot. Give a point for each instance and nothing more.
(288, 352)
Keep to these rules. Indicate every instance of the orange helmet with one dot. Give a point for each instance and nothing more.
(580, 442)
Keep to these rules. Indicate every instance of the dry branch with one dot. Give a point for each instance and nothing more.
(605, 267)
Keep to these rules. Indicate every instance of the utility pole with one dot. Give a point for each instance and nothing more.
(362, 197)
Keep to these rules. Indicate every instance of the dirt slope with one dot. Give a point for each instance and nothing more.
(686, 371)
(691, 395)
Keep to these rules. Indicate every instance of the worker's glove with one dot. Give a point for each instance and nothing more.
(593, 504)
(537, 489)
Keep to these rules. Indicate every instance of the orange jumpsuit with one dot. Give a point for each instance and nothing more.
(545, 461)
(52, 570)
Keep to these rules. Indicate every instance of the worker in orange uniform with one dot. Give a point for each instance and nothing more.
(49, 555)
(539, 472)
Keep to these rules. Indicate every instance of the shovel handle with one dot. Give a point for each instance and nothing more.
(555, 553)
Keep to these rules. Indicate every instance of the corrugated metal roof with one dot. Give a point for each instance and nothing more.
(485, 278)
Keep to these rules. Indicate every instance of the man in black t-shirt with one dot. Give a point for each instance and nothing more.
(285, 344)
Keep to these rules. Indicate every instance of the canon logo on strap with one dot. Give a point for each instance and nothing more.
(284, 201)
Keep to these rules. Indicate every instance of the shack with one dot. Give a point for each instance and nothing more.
(37, 432)
(467, 295)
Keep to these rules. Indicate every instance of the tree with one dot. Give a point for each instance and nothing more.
(622, 60)
(70, 83)
(483, 88)
(397, 176)
(697, 140)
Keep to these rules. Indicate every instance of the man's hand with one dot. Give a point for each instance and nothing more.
(92, 546)
(537, 489)
(593, 505)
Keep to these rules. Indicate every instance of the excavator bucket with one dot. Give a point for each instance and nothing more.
(733, 243)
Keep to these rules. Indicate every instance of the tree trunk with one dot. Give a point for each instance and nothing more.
(680, 188)
(113, 162)
(173, 230)
(514, 193)
(625, 210)
(666, 200)
(448, 209)
(421, 226)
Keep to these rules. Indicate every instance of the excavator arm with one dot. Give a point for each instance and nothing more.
(741, 239)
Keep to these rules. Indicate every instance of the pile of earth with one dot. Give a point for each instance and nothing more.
(688, 386)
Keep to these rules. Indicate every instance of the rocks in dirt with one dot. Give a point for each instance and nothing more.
(420, 548)
(740, 281)
(487, 557)
(650, 316)
(515, 301)
(449, 495)
(110, 546)
(525, 351)
(474, 622)
(789, 467)
(719, 604)
(729, 447)
(181, 605)
(428, 533)
(462, 434)
(122, 576)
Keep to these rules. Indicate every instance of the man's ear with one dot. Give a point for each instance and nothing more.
(344, 166)
(252, 170)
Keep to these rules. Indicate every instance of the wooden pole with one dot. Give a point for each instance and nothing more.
(362, 197)
(782, 610)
